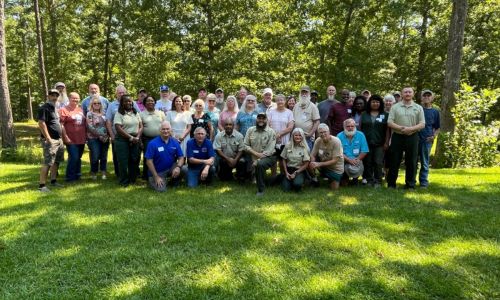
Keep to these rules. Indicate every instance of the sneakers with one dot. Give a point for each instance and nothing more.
(364, 182)
(56, 184)
(104, 177)
(43, 189)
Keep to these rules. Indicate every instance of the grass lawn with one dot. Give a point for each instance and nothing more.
(96, 240)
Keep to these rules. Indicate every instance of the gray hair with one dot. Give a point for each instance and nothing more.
(198, 129)
(389, 97)
(323, 126)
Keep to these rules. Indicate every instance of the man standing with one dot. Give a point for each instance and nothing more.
(325, 105)
(397, 96)
(314, 97)
(406, 118)
(355, 149)
(94, 91)
(260, 143)
(63, 99)
(164, 104)
(219, 100)
(427, 135)
(229, 146)
(164, 158)
(267, 101)
(339, 113)
(327, 157)
(51, 133)
(201, 159)
(306, 115)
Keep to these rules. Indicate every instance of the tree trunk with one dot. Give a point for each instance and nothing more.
(452, 74)
(55, 70)
(343, 40)
(107, 48)
(423, 49)
(8, 134)
(41, 61)
(29, 100)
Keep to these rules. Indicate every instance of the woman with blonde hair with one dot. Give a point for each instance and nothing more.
(247, 116)
(295, 161)
(201, 119)
(97, 138)
(230, 110)
(181, 121)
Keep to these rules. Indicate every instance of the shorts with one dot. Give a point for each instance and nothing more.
(331, 175)
(53, 152)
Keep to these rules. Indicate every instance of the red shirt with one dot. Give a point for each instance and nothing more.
(74, 124)
(339, 112)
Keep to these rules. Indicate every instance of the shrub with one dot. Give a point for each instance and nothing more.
(26, 153)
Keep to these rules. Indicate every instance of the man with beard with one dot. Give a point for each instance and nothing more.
(267, 101)
(229, 146)
(94, 91)
(355, 149)
(241, 95)
(406, 119)
(306, 115)
(260, 143)
(339, 113)
(327, 157)
(164, 104)
(219, 100)
(325, 105)
(63, 99)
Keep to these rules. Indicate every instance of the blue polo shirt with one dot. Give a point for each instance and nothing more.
(164, 155)
(205, 151)
(432, 121)
(354, 147)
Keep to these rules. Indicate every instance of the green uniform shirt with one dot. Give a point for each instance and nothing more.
(295, 155)
(230, 145)
(129, 121)
(151, 122)
(406, 115)
(328, 151)
(261, 141)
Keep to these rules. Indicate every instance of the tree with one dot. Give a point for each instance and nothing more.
(41, 60)
(8, 135)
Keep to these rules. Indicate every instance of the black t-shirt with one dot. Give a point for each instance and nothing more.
(47, 113)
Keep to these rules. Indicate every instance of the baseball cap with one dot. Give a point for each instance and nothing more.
(142, 90)
(396, 93)
(354, 171)
(59, 84)
(305, 88)
(427, 92)
(262, 114)
(219, 90)
(314, 92)
(164, 88)
(54, 91)
(267, 91)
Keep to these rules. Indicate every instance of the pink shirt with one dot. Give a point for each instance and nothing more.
(74, 124)
(278, 120)
(226, 114)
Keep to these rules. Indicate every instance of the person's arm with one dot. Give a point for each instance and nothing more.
(186, 132)
(110, 130)
(314, 128)
(158, 180)
(44, 130)
(211, 129)
(387, 137)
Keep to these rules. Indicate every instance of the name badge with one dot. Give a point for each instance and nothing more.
(196, 151)
(200, 121)
(349, 111)
(355, 151)
(160, 149)
(382, 117)
(304, 117)
(378, 120)
(320, 152)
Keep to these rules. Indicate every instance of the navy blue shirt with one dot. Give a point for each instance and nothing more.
(164, 155)
(205, 151)
(432, 122)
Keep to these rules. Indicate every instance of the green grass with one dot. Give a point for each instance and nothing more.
(96, 240)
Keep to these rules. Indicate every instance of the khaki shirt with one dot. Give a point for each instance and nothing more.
(305, 117)
(230, 145)
(261, 141)
(129, 121)
(406, 115)
(151, 122)
(295, 156)
(328, 151)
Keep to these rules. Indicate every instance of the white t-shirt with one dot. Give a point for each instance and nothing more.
(278, 120)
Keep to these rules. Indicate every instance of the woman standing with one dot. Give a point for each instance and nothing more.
(295, 161)
(97, 138)
(290, 102)
(128, 126)
(186, 102)
(281, 120)
(74, 136)
(247, 116)
(213, 112)
(151, 119)
(230, 111)
(201, 119)
(180, 121)
(374, 126)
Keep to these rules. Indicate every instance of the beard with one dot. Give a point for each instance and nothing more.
(304, 100)
(350, 133)
(260, 127)
(219, 100)
(63, 98)
(331, 97)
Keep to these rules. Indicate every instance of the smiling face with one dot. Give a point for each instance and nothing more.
(297, 137)
(165, 130)
(149, 103)
(74, 99)
(324, 134)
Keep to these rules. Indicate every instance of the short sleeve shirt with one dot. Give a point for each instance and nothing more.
(164, 154)
(328, 151)
(200, 122)
(151, 122)
(305, 117)
(355, 146)
(406, 115)
(245, 121)
(74, 124)
(261, 141)
(432, 122)
(278, 120)
(47, 113)
(203, 151)
(129, 121)
(295, 156)
(230, 145)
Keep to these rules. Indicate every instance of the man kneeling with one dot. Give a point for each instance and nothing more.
(164, 159)
(229, 147)
(201, 158)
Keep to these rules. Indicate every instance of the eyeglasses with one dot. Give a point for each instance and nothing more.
(198, 105)
(96, 103)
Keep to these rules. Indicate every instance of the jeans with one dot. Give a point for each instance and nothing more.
(424, 150)
(98, 155)
(74, 165)
(294, 184)
(193, 176)
(127, 155)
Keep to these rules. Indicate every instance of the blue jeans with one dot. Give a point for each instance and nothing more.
(193, 176)
(424, 150)
(98, 155)
(74, 165)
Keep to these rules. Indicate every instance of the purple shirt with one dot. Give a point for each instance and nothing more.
(338, 114)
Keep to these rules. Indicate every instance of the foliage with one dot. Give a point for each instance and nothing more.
(473, 143)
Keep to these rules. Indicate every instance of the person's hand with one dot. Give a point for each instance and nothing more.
(430, 139)
(231, 162)
(314, 164)
(48, 141)
(355, 162)
(160, 183)
(204, 173)
(210, 161)
(386, 146)
(176, 172)
(135, 140)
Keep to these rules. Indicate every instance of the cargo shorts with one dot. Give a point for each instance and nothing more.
(52, 152)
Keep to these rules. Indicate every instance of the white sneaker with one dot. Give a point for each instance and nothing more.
(104, 177)
(43, 189)
(364, 182)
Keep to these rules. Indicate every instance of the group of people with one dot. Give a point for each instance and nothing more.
(238, 138)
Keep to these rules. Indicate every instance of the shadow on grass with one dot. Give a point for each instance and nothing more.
(97, 240)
